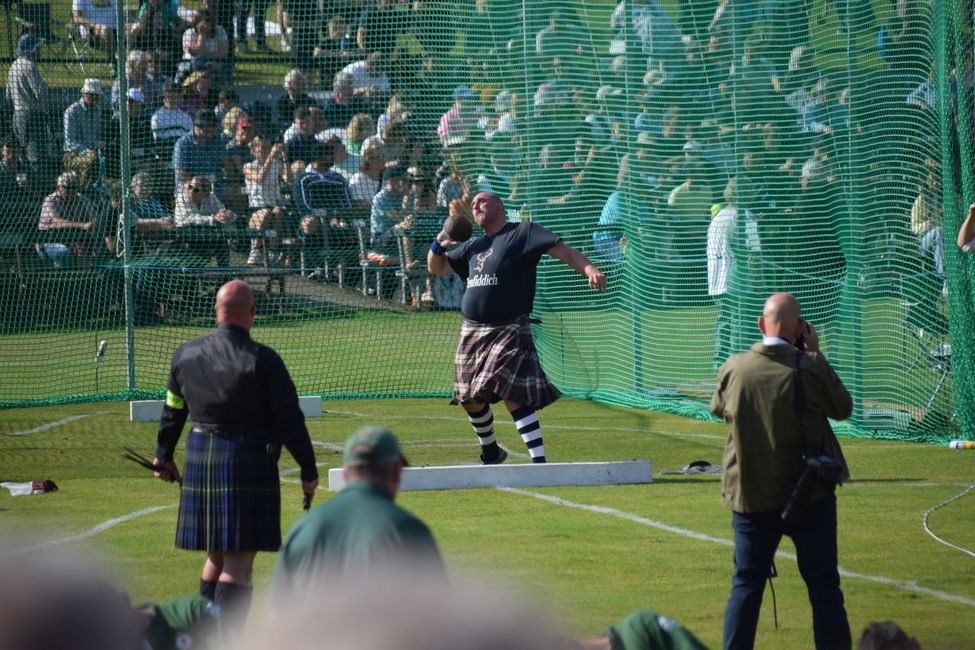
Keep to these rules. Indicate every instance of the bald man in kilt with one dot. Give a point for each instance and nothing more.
(244, 407)
(496, 359)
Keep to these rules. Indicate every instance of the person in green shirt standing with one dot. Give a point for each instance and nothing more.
(360, 532)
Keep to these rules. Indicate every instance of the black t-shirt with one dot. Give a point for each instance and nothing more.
(500, 271)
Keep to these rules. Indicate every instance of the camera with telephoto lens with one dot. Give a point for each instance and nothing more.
(819, 466)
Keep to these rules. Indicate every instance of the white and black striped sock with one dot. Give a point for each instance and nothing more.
(483, 424)
(526, 420)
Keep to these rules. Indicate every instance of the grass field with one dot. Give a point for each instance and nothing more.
(664, 546)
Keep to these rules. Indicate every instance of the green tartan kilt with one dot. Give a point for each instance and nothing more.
(231, 499)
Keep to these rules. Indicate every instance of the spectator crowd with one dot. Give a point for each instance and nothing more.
(392, 110)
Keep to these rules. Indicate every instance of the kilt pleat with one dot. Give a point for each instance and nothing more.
(499, 362)
(230, 500)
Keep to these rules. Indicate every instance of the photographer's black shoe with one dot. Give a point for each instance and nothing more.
(497, 460)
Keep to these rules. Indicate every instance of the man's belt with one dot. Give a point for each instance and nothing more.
(239, 435)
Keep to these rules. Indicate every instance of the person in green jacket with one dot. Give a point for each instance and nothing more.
(642, 630)
(359, 533)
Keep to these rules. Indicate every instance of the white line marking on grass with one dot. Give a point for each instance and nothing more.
(333, 446)
(677, 434)
(51, 425)
(100, 528)
(628, 516)
(924, 520)
(683, 532)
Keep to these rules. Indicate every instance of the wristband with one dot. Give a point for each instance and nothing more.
(437, 249)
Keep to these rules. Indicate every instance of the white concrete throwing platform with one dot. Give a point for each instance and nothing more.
(151, 410)
(455, 477)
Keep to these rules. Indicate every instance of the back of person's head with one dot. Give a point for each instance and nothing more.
(332, 144)
(394, 172)
(407, 610)
(886, 636)
(57, 605)
(320, 154)
(372, 453)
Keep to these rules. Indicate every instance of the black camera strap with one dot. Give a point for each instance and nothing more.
(799, 396)
(799, 402)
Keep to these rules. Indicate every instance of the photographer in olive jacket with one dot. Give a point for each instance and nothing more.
(777, 398)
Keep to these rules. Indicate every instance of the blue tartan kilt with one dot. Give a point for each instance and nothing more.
(231, 499)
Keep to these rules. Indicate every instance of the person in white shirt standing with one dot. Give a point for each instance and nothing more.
(262, 180)
(721, 242)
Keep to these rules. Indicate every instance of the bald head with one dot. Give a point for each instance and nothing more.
(780, 317)
(235, 304)
(488, 212)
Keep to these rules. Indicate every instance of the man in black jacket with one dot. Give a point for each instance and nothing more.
(244, 406)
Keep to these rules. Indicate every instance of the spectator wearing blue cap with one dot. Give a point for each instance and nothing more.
(28, 93)
(360, 532)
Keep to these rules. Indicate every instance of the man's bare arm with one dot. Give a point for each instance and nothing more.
(581, 263)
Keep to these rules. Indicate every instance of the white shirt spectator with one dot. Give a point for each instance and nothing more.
(212, 44)
(362, 79)
(190, 214)
(170, 124)
(100, 12)
(363, 188)
(266, 193)
(721, 259)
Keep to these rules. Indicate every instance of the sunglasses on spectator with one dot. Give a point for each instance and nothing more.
(199, 188)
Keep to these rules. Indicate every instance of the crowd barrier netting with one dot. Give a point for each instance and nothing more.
(703, 154)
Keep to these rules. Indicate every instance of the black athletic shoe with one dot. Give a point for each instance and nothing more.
(497, 460)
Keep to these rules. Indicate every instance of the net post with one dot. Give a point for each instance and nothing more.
(125, 172)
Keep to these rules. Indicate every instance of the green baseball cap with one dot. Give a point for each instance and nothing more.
(372, 443)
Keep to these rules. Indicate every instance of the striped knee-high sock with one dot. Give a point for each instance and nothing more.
(526, 420)
(483, 423)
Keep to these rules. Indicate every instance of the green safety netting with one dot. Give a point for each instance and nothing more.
(703, 154)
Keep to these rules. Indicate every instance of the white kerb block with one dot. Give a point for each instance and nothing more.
(151, 410)
(454, 477)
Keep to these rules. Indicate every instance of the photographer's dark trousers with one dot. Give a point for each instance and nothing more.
(757, 536)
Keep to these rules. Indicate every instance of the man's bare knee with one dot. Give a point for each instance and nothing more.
(238, 567)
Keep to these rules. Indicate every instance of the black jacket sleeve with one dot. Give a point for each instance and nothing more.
(287, 420)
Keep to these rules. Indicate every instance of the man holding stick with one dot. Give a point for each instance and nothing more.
(244, 407)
